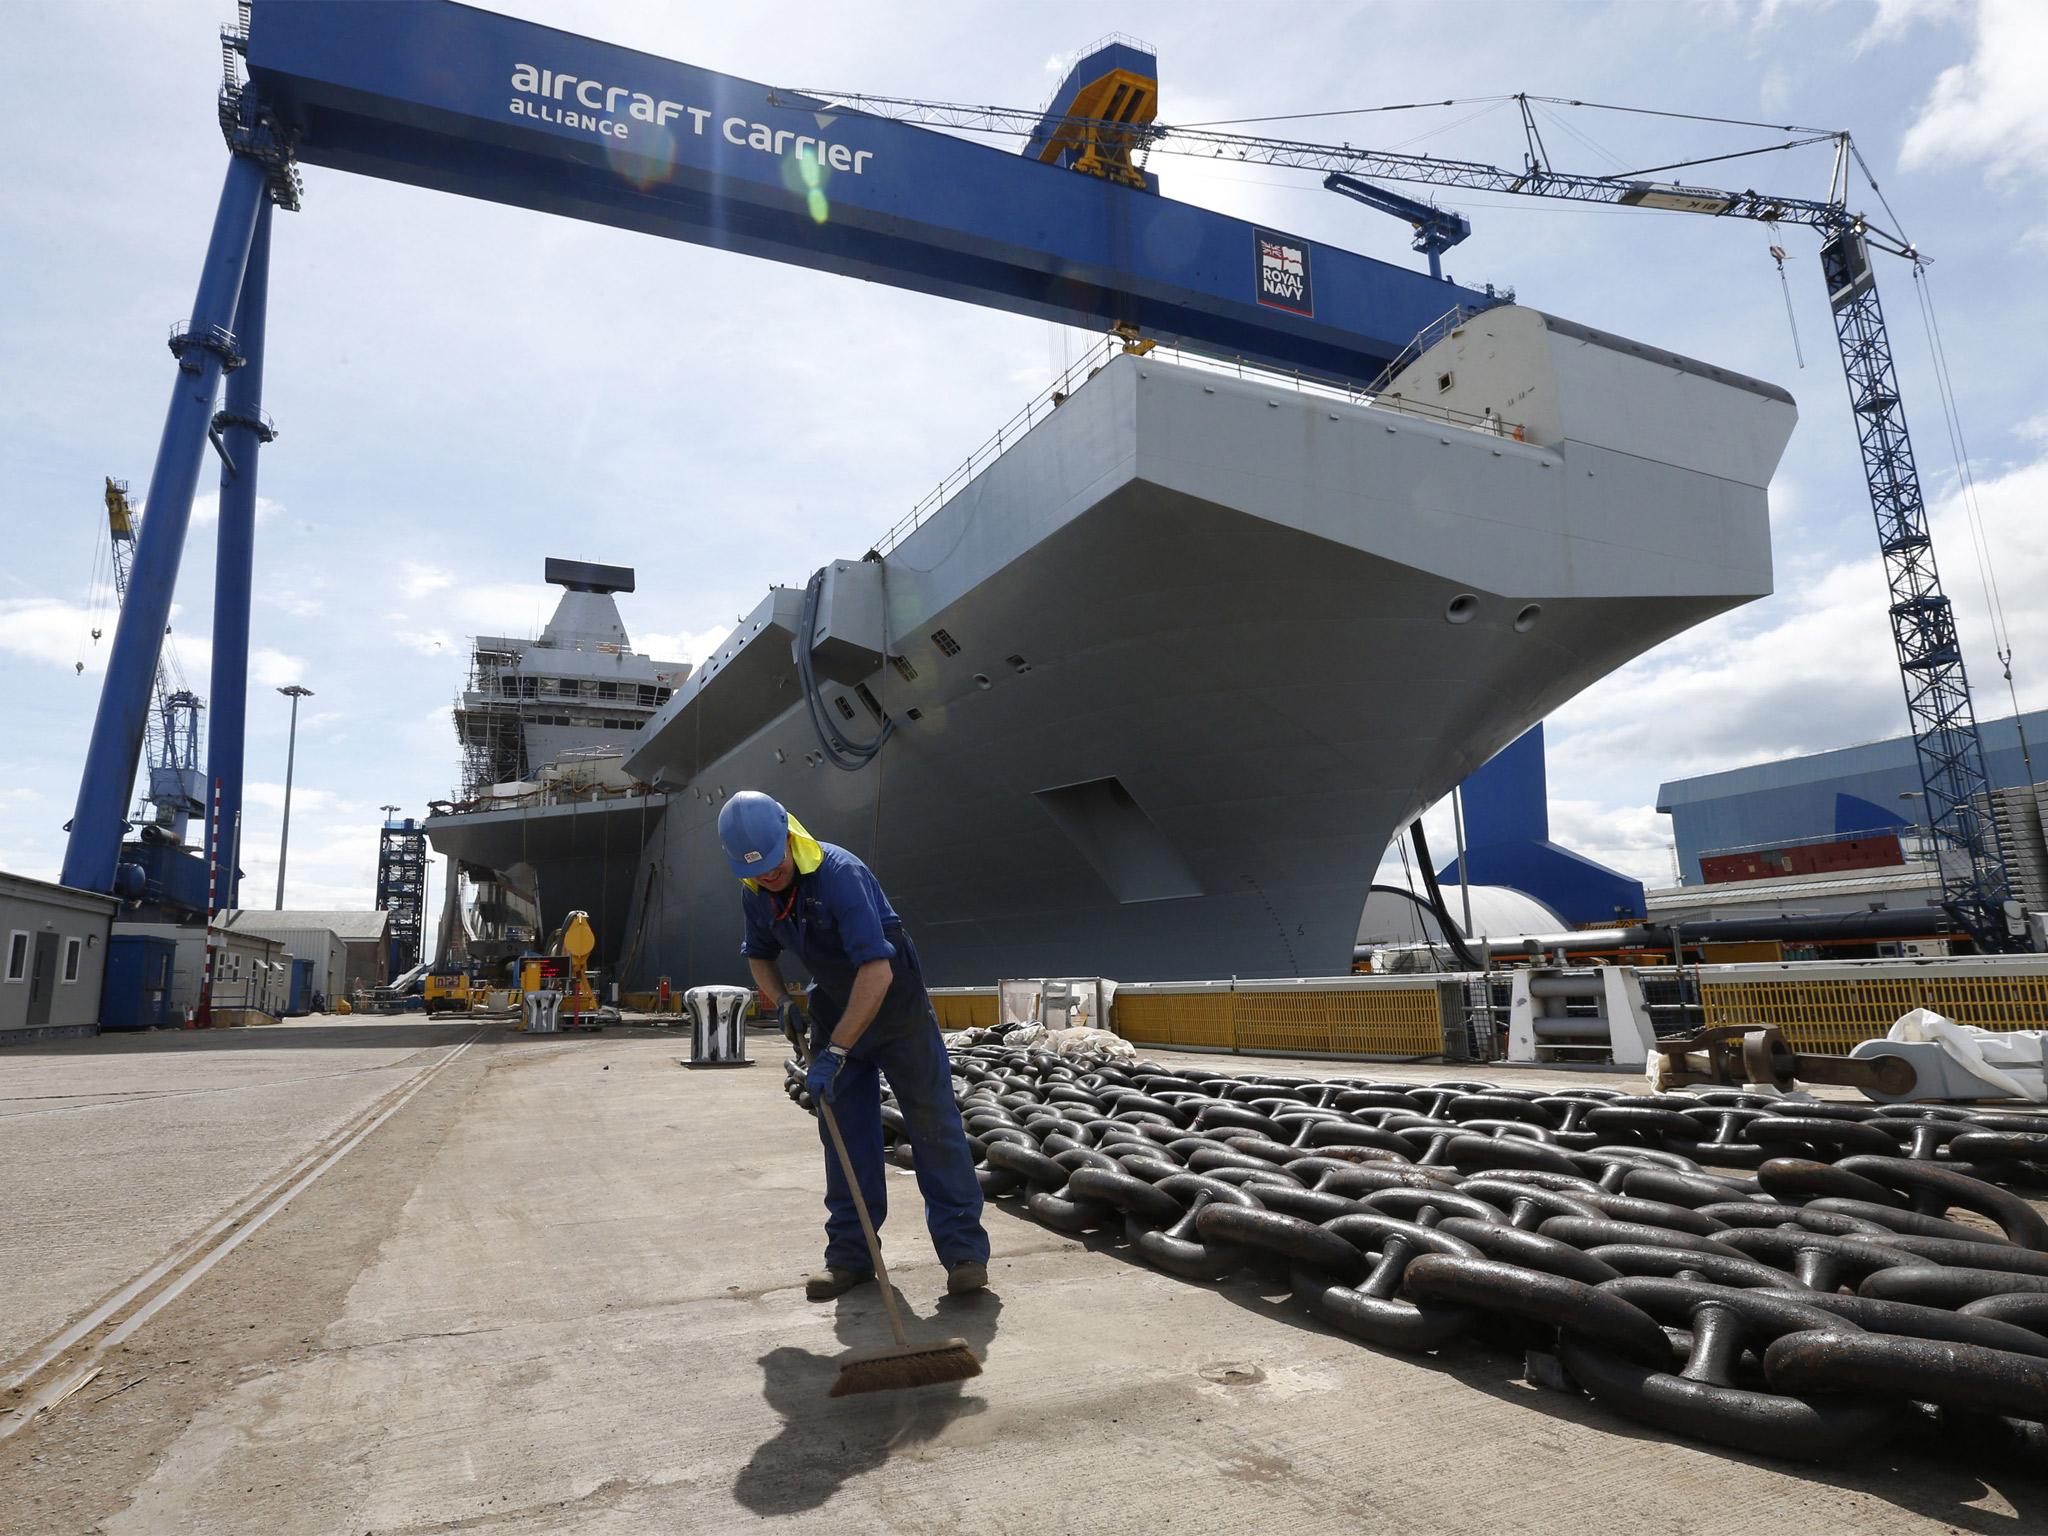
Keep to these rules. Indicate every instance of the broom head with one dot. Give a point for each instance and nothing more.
(906, 1365)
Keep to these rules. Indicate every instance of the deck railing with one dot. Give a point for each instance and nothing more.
(1078, 373)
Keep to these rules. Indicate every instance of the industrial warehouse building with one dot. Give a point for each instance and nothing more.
(347, 948)
(55, 956)
(1842, 836)
(1829, 797)
(251, 979)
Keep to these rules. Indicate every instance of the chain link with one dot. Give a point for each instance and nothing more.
(1782, 1277)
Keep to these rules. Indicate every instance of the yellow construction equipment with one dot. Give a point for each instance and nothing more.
(449, 990)
(566, 969)
(577, 941)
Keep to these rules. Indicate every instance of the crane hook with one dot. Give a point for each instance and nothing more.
(1778, 255)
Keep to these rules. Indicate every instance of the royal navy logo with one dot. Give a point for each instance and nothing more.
(1283, 273)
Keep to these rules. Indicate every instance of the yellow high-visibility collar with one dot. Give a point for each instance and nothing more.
(803, 848)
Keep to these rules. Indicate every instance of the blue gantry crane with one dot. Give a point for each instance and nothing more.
(444, 96)
(1072, 230)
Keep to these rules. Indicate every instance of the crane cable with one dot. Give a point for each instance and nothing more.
(1966, 489)
(95, 599)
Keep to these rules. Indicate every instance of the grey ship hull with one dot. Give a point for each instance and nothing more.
(1204, 644)
(576, 857)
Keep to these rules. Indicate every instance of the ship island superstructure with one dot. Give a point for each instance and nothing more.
(578, 688)
(544, 725)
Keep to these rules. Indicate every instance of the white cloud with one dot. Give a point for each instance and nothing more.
(1891, 19)
(1634, 839)
(270, 668)
(56, 632)
(428, 642)
(332, 863)
(1775, 90)
(1989, 109)
(482, 608)
(682, 645)
(419, 580)
(206, 509)
(305, 797)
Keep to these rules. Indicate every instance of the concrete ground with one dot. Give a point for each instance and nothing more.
(560, 1290)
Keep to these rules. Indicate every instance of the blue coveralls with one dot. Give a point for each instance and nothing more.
(836, 919)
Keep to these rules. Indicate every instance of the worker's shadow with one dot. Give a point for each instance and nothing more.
(825, 1441)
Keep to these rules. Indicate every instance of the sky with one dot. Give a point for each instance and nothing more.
(463, 389)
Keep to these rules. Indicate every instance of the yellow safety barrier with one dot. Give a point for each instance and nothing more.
(1390, 1021)
(965, 1010)
(1175, 1018)
(1833, 1014)
(1381, 1021)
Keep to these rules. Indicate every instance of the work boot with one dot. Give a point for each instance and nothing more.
(834, 1282)
(966, 1277)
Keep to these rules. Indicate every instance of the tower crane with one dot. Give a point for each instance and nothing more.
(1974, 887)
(170, 738)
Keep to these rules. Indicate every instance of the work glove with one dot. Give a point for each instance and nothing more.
(823, 1077)
(791, 1018)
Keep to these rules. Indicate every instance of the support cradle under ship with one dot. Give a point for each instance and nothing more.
(1160, 682)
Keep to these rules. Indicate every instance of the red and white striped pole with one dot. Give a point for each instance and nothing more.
(203, 1016)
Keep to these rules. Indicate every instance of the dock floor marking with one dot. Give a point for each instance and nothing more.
(173, 1276)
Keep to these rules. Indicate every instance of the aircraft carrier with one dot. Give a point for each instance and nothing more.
(1161, 681)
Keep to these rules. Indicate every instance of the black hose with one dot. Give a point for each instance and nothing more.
(840, 750)
(1452, 933)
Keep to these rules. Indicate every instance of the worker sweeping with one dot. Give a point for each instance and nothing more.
(869, 1014)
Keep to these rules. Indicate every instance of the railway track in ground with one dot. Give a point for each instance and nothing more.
(51, 1370)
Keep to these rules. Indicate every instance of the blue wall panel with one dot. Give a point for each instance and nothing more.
(1801, 797)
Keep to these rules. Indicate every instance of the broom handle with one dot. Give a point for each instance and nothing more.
(867, 1227)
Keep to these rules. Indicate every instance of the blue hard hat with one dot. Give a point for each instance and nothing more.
(754, 830)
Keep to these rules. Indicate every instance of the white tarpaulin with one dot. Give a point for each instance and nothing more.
(1079, 1041)
(2007, 1061)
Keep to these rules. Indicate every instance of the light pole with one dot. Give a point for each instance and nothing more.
(291, 751)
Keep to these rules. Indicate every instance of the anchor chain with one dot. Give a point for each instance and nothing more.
(1787, 1278)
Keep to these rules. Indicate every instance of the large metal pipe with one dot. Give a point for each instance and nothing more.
(1570, 985)
(1822, 927)
(1584, 938)
(203, 348)
(1890, 923)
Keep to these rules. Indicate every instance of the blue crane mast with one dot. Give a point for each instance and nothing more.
(1974, 885)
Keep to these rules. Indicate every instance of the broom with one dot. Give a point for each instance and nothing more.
(905, 1364)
